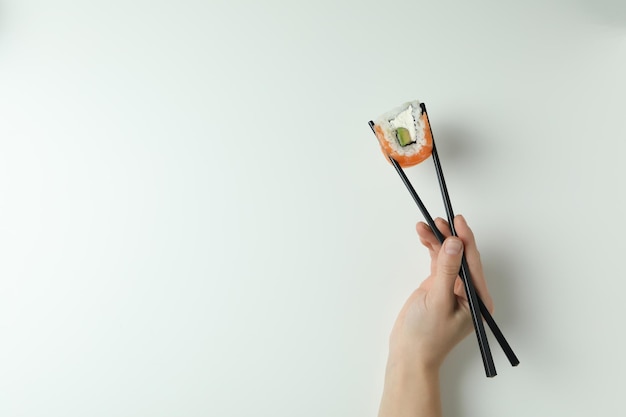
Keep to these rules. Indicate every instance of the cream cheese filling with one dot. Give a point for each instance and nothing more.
(405, 119)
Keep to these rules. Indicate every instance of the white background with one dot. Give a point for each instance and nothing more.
(195, 219)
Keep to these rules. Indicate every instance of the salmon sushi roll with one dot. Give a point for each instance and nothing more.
(404, 134)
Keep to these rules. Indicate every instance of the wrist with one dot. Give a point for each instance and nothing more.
(410, 389)
(404, 367)
(414, 357)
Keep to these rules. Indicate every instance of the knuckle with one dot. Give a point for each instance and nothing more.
(449, 269)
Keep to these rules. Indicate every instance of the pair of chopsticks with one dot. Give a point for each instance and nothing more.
(474, 301)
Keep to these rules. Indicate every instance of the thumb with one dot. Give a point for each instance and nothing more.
(448, 265)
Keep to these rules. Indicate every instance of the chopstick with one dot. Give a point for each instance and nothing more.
(465, 272)
(483, 344)
(490, 370)
(470, 290)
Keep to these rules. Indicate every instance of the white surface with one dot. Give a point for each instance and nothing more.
(196, 219)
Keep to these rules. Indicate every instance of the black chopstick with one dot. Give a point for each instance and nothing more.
(487, 358)
(483, 344)
(465, 272)
(472, 297)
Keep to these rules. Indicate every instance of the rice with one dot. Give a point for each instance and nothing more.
(409, 117)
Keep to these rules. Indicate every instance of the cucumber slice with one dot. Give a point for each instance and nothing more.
(403, 136)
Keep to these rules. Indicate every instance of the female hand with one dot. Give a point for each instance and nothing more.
(433, 320)
(436, 316)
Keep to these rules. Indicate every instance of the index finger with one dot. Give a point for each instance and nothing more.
(473, 260)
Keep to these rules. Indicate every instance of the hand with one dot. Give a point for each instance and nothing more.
(433, 320)
(436, 316)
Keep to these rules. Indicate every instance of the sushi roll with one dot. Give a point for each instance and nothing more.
(404, 134)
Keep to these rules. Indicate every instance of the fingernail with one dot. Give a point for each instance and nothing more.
(453, 246)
